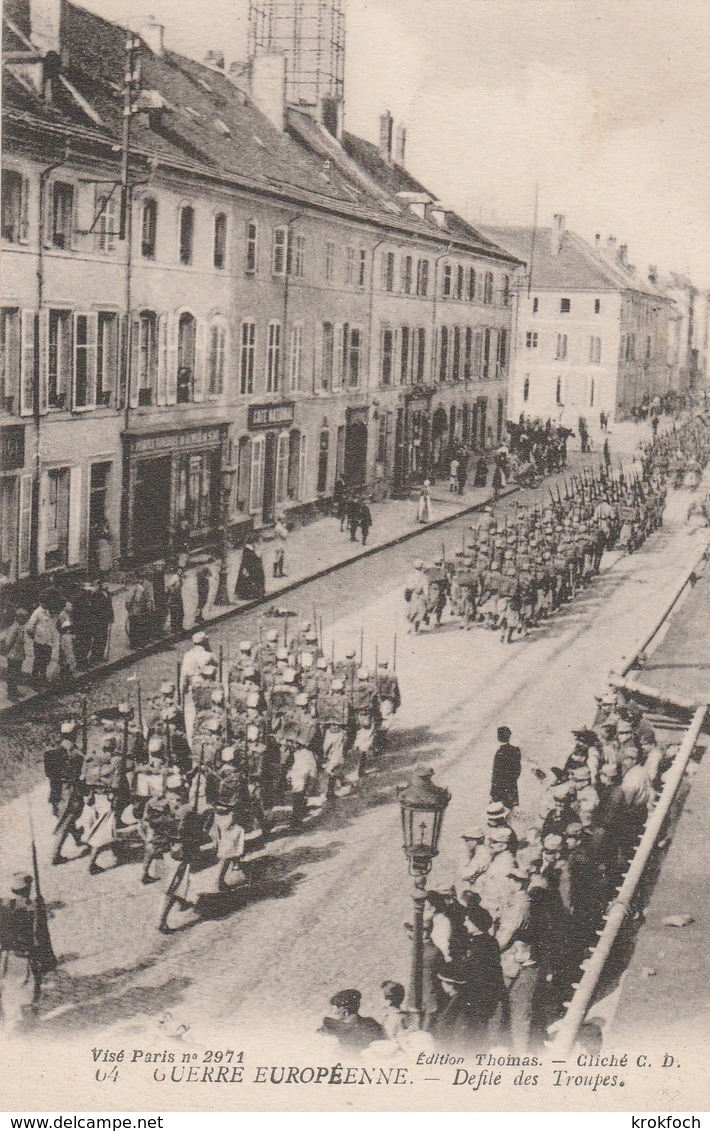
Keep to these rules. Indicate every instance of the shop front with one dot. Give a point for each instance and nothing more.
(355, 452)
(412, 461)
(15, 504)
(172, 490)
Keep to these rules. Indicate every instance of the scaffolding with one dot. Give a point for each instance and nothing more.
(311, 34)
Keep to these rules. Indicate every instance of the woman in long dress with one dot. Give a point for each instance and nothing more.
(424, 507)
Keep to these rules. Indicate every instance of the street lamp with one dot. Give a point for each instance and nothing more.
(227, 480)
(422, 805)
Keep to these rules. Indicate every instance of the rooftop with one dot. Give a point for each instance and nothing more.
(205, 123)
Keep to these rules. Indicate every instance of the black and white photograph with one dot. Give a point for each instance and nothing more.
(354, 524)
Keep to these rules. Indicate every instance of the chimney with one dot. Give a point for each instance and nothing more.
(557, 233)
(400, 146)
(215, 59)
(268, 87)
(611, 245)
(597, 242)
(46, 25)
(386, 135)
(622, 253)
(652, 273)
(152, 35)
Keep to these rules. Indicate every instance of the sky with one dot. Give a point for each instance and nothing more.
(602, 107)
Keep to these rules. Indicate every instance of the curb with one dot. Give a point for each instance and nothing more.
(86, 679)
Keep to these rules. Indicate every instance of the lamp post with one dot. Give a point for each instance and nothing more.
(422, 806)
(227, 479)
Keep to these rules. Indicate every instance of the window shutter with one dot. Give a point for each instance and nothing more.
(134, 353)
(43, 359)
(338, 354)
(24, 227)
(24, 526)
(171, 332)
(302, 468)
(42, 523)
(75, 516)
(92, 333)
(256, 486)
(162, 390)
(27, 362)
(199, 379)
(281, 467)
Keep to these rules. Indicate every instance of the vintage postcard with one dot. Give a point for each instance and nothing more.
(354, 510)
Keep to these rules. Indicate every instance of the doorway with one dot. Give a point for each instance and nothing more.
(355, 461)
(269, 507)
(151, 507)
(98, 491)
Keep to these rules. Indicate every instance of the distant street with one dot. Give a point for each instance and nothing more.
(328, 906)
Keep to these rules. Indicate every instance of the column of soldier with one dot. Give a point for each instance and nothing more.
(510, 575)
(215, 761)
(503, 946)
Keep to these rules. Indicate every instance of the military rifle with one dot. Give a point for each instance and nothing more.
(43, 954)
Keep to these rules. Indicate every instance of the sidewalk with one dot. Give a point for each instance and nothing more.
(321, 546)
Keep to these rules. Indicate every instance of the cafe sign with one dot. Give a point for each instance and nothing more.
(271, 415)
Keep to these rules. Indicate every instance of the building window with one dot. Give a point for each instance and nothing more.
(526, 388)
(407, 274)
(531, 340)
(58, 358)
(561, 353)
(558, 391)
(471, 287)
(62, 215)
(354, 356)
(350, 266)
(187, 343)
(468, 355)
(630, 347)
(460, 279)
(247, 357)
(597, 306)
(252, 251)
(447, 282)
(443, 354)
(382, 439)
(330, 261)
(279, 251)
(423, 277)
(387, 356)
(486, 355)
(502, 352)
(149, 228)
(85, 327)
(15, 201)
(478, 356)
(295, 356)
(405, 358)
(648, 348)
(323, 462)
(9, 357)
(256, 474)
(327, 356)
(456, 355)
(273, 357)
(421, 355)
(536, 305)
(362, 267)
(106, 357)
(297, 256)
(220, 241)
(595, 350)
(57, 518)
(388, 271)
(505, 290)
(565, 305)
(187, 234)
(591, 393)
(215, 362)
(488, 288)
(106, 226)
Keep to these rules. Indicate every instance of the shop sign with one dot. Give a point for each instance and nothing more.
(12, 447)
(178, 441)
(270, 415)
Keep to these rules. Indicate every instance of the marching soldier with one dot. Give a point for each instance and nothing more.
(22, 963)
(56, 760)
